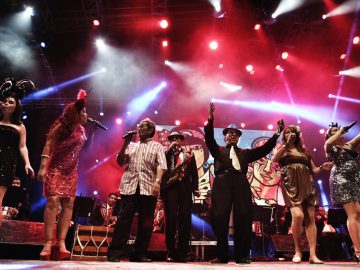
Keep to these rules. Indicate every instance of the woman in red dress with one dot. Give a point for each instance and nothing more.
(58, 172)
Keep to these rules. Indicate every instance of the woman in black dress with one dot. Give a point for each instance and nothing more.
(12, 135)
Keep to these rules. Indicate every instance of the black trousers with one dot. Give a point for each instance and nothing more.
(232, 190)
(177, 204)
(145, 205)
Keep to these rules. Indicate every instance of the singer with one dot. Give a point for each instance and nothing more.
(345, 178)
(140, 185)
(58, 172)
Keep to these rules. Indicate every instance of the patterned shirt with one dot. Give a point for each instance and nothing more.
(145, 158)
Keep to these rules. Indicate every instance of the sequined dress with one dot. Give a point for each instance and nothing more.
(297, 183)
(62, 176)
(344, 175)
(9, 149)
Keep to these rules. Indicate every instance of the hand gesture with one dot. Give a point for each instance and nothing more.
(29, 170)
(41, 176)
(280, 126)
(327, 166)
(129, 135)
(155, 191)
(211, 111)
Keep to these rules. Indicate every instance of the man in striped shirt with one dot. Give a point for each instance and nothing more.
(140, 185)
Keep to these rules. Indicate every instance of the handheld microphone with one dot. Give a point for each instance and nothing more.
(96, 123)
(129, 133)
(350, 126)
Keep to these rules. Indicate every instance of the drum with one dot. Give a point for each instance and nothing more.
(9, 212)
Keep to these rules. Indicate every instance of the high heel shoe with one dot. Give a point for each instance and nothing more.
(45, 255)
(356, 256)
(296, 259)
(316, 261)
(60, 254)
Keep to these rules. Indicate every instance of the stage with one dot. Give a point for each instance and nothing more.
(21, 264)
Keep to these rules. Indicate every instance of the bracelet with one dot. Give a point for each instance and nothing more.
(45, 156)
(321, 167)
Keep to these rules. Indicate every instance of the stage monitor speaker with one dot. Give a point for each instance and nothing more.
(285, 243)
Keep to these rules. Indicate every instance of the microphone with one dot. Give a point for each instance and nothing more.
(350, 126)
(129, 133)
(96, 123)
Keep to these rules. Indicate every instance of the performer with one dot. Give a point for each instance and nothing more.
(12, 134)
(178, 185)
(298, 188)
(58, 172)
(345, 179)
(231, 189)
(140, 185)
(103, 213)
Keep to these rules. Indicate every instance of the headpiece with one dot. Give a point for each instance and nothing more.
(234, 127)
(81, 100)
(175, 134)
(16, 89)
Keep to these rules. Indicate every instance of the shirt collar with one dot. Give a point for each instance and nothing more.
(229, 146)
(146, 140)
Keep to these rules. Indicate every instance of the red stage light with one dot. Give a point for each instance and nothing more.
(164, 24)
(177, 122)
(165, 43)
(213, 45)
(342, 56)
(205, 123)
(96, 22)
(242, 125)
(356, 40)
(270, 126)
(284, 55)
(249, 68)
(257, 26)
(221, 66)
(322, 131)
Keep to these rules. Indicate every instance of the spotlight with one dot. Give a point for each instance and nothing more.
(103, 69)
(250, 69)
(100, 43)
(95, 192)
(324, 17)
(177, 122)
(118, 121)
(342, 56)
(341, 72)
(299, 121)
(167, 62)
(314, 149)
(270, 126)
(319, 182)
(221, 66)
(24, 117)
(96, 160)
(101, 114)
(322, 131)
(213, 45)
(164, 24)
(284, 55)
(279, 68)
(163, 84)
(96, 22)
(205, 123)
(156, 112)
(257, 26)
(165, 43)
(356, 40)
(242, 125)
(42, 44)
(29, 11)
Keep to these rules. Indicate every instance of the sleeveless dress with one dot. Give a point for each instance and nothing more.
(62, 176)
(297, 183)
(9, 150)
(344, 175)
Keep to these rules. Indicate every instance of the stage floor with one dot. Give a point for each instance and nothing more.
(82, 265)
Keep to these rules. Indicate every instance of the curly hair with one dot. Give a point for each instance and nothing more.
(66, 122)
(15, 117)
(298, 141)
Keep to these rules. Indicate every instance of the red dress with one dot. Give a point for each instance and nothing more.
(62, 176)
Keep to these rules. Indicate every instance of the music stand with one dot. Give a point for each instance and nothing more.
(83, 207)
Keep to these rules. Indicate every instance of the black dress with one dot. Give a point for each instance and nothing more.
(9, 149)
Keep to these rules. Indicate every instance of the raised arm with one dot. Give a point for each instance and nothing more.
(123, 158)
(209, 133)
(332, 140)
(354, 143)
(24, 151)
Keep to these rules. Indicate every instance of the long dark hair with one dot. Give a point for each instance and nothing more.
(15, 117)
(66, 122)
(299, 145)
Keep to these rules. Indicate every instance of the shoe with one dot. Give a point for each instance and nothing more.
(296, 259)
(113, 259)
(61, 254)
(45, 255)
(218, 260)
(140, 259)
(356, 256)
(243, 260)
(316, 261)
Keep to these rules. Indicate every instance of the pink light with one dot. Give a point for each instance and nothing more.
(270, 126)
(257, 26)
(342, 56)
(96, 22)
(205, 123)
(165, 43)
(221, 66)
(213, 45)
(322, 131)
(177, 122)
(164, 24)
(118, 121)
(356, 40)
(284, 55)
(242, 125)
(250, 68)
